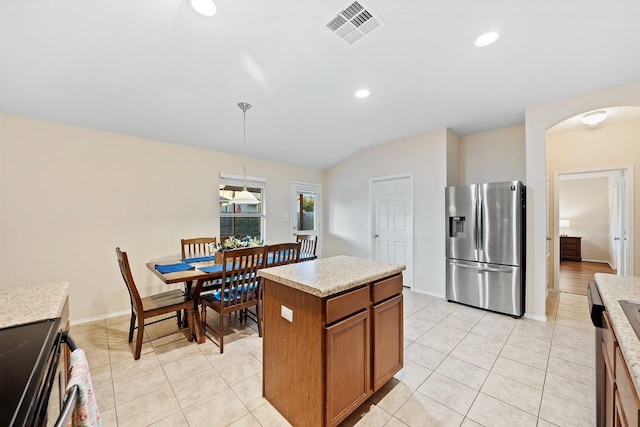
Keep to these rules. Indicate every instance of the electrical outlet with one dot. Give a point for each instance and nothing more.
(287, 313)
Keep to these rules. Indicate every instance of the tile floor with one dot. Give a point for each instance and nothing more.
(463, 367)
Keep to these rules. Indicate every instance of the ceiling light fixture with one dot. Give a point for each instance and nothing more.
(204, 7)
(487, 38)
(362, 93)
(594, 118)
(244, 197)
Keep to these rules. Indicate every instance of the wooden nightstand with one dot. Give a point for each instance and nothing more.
(571, 248)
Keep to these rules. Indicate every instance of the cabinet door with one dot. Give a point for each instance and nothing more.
(388, 340)
(608, 389)
(348, 356)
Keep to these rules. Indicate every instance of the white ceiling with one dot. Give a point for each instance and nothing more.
(156, 69)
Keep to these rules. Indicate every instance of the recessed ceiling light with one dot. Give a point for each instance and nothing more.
(594, 118)
(204, 7)
(487, 38)
(362, 93)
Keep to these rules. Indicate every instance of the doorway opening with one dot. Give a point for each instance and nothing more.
(591, 218)
(306, 210)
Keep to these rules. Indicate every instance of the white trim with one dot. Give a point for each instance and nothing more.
(536, 317)
(101, 317)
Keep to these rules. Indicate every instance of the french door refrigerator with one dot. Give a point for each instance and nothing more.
(485, 246)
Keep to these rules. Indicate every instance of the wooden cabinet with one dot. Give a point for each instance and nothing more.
(609, 346)
(571, 248)
(348, 361)
(627, 402)
(334, 353)
(620, 403)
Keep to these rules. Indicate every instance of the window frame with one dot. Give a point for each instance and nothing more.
(233, 180)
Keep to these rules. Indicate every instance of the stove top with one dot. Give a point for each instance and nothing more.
(24, 354)
(632, 310)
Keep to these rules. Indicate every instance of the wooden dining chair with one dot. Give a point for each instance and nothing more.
(239, 289)
(197, 247)
(143, 308)
(283, 253)
(308, 246)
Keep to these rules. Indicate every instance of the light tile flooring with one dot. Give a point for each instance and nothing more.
(462, 367)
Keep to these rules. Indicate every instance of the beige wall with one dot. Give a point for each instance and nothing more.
(585, 203)
(492, 156)
(69, 196)
(347, 212)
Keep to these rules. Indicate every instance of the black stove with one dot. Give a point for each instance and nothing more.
(27, 353)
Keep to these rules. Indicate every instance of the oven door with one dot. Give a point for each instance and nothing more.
(60, 407)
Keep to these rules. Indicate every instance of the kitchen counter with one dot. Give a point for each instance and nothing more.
(29, 304)
(328, 276)
(613, 288)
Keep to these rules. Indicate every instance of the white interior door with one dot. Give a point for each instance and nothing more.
(392, 222)
(621, 227)
(306, 210)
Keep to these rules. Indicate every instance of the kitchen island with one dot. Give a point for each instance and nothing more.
(332, 335)
(621, 349)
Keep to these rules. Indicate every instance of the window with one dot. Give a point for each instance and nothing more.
(241, 220)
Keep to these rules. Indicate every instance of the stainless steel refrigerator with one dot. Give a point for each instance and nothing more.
(485, 246)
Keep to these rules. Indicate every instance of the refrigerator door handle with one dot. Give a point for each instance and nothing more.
(481, 269)
(480, 226)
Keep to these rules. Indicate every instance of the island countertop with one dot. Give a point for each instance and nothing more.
(612, 289)
(29, 304)
(327, 276)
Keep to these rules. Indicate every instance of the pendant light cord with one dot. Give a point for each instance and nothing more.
(244, 106)
(244, 147)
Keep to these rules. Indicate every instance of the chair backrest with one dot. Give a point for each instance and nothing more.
(192, 248)
(240, 282)
(308, 245)
(125, 270)
(282, 253)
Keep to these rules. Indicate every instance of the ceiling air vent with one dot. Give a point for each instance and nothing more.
(354, 22)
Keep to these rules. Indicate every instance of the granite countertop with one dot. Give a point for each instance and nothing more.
(612, 289)
(328, 276)
(32, 303)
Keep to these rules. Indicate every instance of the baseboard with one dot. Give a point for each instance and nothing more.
(101, 317)
(537, 317)
(596, 260)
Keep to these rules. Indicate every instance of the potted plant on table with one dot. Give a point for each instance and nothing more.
(233, 243)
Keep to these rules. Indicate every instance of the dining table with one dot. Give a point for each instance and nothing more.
(194, 273)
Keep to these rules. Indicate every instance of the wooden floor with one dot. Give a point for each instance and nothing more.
(574, 276)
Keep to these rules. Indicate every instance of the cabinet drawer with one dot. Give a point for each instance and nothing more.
(609, 341)
(387, 288)
(344, 305)
(626, 392)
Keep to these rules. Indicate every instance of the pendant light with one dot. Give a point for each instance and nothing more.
(244, 197)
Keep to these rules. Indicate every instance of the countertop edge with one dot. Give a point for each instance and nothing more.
(321, 278)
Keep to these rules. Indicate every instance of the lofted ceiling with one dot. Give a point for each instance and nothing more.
(157, 69)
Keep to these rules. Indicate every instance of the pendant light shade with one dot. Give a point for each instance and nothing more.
(244, 197)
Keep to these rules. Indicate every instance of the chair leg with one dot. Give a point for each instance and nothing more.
(132, 325)
(259, 318)
(221, 337)
(189, 319)
(136, 354)
(179, 318)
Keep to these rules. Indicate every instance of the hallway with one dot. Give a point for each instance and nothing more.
(574, 276)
